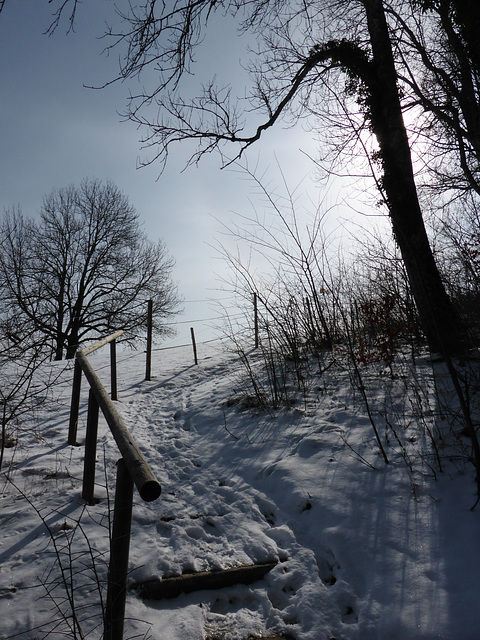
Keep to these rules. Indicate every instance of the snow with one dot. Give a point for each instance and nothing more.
(365, 550)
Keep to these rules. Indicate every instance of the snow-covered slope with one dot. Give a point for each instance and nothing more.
(363, 553)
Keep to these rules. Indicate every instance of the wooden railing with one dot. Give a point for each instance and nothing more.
(132, 469)
(77, 380)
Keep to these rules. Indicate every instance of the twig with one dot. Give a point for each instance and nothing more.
(361, 458)
(226, 428)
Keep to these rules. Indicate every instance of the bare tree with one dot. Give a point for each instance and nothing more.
(440, 70)
(457, 243)
(304, 47)
(86, 268)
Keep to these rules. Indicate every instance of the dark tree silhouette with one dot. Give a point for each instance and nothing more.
(83, 270)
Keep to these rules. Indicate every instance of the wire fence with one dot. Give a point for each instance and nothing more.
(203, 325)
(126, 353)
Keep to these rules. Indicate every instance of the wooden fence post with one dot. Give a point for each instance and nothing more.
(255, 311)
(113, 370)
(119, 551)
(148, 366)
(194, 345)
(75, 403)
(90, 450)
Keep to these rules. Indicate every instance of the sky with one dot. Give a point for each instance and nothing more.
(55, 131)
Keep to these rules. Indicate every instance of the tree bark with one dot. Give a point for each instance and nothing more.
(439, 318)
(59, 337)
(58, 348)
(72, 344)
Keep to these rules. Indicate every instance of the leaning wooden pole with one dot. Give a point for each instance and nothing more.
(77, 383)
(132, 470)
(147, 485)
(101, 343)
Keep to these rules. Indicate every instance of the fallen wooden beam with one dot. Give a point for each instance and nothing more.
(157, 589)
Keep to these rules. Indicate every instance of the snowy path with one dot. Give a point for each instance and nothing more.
(211, 516)
(360, 556)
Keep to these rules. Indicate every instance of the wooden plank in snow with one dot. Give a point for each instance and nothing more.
(157, 589)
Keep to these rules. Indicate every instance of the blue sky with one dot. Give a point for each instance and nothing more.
(54, 132)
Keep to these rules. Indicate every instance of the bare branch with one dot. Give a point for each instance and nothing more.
(59, 13)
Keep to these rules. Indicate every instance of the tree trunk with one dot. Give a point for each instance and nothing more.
(59, 337)
(440, 320)
(58, 347)
(75, 323)
(72, 344)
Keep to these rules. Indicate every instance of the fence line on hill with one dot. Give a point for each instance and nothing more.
(194, 342)
(192, 335)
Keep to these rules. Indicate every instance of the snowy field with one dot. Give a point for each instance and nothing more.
(383, 553)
